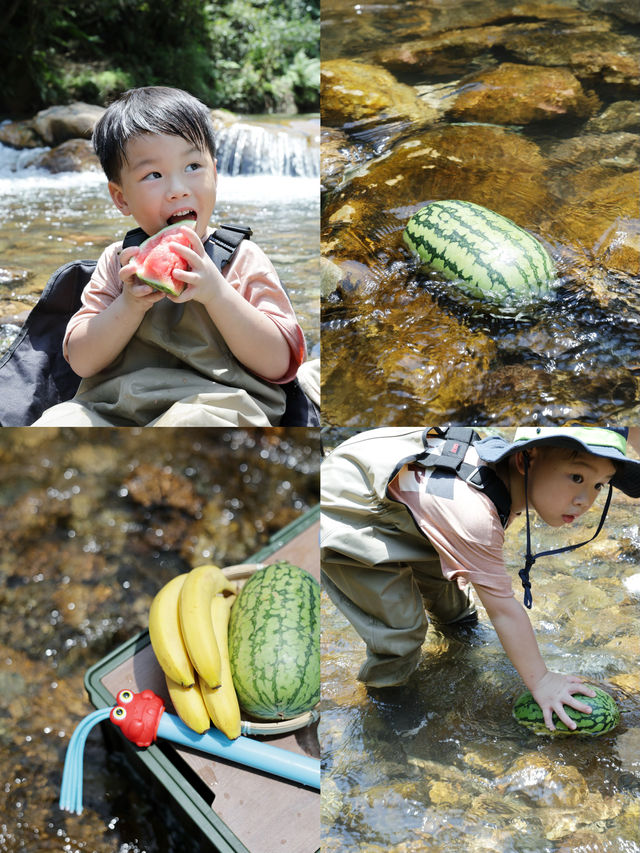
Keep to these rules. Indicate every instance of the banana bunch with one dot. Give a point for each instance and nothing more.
(188, 623)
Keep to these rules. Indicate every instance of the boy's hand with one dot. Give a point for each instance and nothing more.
(137, 294)
(203, 280)
(555, 690)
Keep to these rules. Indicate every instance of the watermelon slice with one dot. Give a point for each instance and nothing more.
(156, 261)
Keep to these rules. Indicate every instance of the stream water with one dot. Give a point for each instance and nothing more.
(530, 111)
(444, 767)
(47, 220)
(92, 523)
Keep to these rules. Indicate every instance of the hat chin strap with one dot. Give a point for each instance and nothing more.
(531, 558)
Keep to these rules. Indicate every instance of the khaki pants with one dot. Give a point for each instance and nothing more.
(388, 607)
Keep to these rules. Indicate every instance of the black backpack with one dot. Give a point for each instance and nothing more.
(34, 375)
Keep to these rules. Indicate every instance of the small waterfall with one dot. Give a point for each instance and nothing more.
(252, 149)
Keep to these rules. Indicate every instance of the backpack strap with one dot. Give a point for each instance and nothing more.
(225, 241)
(220, 246)
(450, 457)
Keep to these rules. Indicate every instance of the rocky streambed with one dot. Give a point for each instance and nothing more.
(532, 113)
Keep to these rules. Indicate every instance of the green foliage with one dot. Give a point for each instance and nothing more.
(245, 55)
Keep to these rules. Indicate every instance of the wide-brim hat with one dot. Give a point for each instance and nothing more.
(607, 442)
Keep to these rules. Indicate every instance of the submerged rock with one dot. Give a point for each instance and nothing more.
(74, 155)
(619, 247)
(620, 116)
(352, 91)
(522, 94)
(543, 782)
(478, 161)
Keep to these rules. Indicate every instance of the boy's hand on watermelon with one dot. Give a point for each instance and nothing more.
(137, 294)
(203, 280)
(555, 690)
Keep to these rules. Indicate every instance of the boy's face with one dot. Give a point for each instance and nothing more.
(163, 180)
(563, 487)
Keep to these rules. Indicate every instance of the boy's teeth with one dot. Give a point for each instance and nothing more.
(179, 217)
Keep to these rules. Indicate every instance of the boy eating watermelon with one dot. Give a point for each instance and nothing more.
(412, 518)
(214, 348)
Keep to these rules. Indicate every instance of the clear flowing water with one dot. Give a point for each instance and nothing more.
(399, 131)
(47, 220)
(92, 523)
(444, 767)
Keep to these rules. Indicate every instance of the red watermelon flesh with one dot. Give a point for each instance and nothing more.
(156, 261)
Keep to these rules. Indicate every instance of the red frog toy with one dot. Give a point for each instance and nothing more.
(138, 715)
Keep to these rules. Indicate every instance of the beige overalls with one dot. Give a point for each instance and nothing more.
(195, 380)
(378, 568)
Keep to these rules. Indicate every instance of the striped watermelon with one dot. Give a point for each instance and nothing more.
(156, 262)
(487, 255)
(604, 715)
(274, 642)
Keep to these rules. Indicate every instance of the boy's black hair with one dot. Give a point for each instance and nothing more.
(150, 109)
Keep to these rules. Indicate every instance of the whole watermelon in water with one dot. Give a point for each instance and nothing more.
(156, 261)
(487, 255)
(274, 642)
(604, 715)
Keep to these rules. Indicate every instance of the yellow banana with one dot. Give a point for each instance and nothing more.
(222, 703)
(166, 634)
(189, 705)
(199, 587)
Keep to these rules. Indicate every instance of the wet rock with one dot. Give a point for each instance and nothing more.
(523, 390)
(32, 514)
(368, 214)
(625, 10)
(595, 810)
(619, 248)
(522, 94)
(352, 91)
(598, 197)
(620, 116)
(167, 530)
(78, 602)
(624, 646)
(431, 364)
(487, 758)
(585, 841)
(337, 157)
(74, 155)
(20, 134)
(152, 485)
(14, 276)
(451, 51)
(71, 121)
(617, 151)
(594, 56)
(628, 681)
(628, 750)
(543, 782)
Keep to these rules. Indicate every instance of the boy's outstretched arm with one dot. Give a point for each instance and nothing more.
(551, 690)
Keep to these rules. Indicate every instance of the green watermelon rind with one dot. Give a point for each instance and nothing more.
(486, 254)
(149, 243)
(604, 717)
(274, 643)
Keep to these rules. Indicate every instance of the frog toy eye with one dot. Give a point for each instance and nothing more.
(124, 697)
(119, 713)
